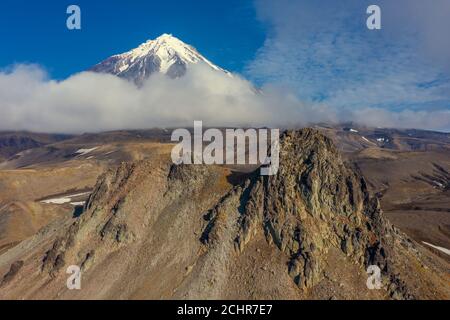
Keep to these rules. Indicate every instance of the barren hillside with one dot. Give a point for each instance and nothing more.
(151, 229)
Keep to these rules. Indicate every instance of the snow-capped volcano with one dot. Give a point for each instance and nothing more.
(166, 54)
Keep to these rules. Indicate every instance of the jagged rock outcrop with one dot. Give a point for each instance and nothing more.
(313, 203)
(15, 267)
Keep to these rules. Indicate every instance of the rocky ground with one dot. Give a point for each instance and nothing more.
(154, 230)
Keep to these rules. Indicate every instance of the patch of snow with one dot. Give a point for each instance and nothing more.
(56, 200)
(380, 139)
(447, 251)
(365, 139)
(78, 203)
(64, 199)
(83, 152)
(438, 184)
(123, 67)
(78, 194)
(353, 130)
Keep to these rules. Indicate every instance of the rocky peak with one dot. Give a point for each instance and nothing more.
(166, 54)
(314, 203)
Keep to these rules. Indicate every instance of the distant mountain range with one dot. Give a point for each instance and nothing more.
(166, 54)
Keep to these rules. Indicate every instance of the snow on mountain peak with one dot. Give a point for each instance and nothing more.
(165, 54)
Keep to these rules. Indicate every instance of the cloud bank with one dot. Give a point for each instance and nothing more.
(91, 102)
(97, 102)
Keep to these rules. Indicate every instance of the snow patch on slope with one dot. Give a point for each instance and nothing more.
(447, 251)
(64, 199)
(83, 152)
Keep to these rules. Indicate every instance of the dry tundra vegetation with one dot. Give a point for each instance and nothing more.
(113, 203)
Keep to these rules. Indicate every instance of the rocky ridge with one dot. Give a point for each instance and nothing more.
(169, 231)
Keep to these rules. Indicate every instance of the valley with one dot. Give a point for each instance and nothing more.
(60, 186)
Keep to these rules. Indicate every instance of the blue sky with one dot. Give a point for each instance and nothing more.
(226, 32)
(320, 51)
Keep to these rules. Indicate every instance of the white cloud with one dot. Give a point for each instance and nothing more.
(98, 102)
(324, 53)
(427, 21)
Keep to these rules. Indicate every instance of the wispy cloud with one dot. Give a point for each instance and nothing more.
(324, 52)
